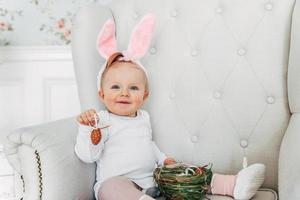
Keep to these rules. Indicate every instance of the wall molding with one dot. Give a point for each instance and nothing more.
(35, 53)
(42, 70)
(37, 85)
(48, 83)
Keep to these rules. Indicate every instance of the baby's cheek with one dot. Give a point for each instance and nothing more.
(109, 99)
(140, 100)
(109, 102)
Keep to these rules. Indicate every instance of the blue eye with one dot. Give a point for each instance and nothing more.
(115, 87)
(134, 88)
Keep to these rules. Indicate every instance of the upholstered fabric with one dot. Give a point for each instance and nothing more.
(62, 175)
(260, 195)
(289, 179)
(218, 77)
(223, 84)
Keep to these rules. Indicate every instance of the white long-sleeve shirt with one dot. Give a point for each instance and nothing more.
(126, 149)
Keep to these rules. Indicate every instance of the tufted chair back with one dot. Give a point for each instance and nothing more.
(219, 77)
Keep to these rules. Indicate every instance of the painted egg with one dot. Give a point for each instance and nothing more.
(96, 136)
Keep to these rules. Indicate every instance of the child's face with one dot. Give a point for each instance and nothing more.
(123, 89)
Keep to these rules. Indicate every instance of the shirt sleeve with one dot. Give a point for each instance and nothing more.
(84, 148)
(160, 157)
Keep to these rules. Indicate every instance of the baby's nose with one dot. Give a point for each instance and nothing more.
(124, 92)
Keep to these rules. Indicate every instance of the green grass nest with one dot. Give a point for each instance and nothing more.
(183, 182)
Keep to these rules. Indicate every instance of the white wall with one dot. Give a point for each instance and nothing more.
(37, 84)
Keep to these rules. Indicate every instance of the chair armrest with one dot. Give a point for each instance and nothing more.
(289, 163)
(44, 156)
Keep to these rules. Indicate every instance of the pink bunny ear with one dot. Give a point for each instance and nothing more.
(141, 37)
(106, 41)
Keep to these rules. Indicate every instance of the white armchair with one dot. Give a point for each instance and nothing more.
(224, 84)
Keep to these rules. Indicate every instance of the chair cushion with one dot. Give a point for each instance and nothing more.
(262, 194)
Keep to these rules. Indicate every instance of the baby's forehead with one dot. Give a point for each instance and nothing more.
(123, 64)
(124, 67)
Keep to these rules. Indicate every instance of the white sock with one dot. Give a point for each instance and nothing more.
(248, 181)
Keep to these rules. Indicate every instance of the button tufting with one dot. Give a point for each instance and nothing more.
(172, 95)
(217, 95)
(135, 16)
(219, 10)
(244, 143)
(194, 52)
(152, 50)
(242, 51)
(268, 6)
(174, 13)
(194, 138)
(270, 100)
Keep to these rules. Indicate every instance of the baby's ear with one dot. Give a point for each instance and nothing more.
(146, 95)
(101, 95)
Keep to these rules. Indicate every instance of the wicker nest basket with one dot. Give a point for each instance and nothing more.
(183, 182)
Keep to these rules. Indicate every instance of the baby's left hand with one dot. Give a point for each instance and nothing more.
(169, 161)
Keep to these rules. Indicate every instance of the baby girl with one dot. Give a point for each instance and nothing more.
(119, 138)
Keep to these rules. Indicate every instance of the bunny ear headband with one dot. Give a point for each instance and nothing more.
(138, 45)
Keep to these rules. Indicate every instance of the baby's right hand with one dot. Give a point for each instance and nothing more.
(169, 161)
(87, 117)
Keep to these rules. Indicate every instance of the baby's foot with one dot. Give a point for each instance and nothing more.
(248, 181)
(153, 192)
